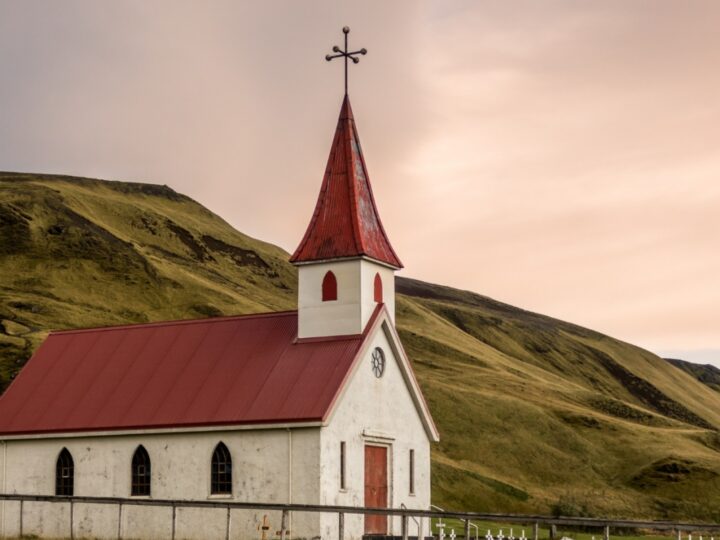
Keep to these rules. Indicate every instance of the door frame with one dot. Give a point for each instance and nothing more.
(387, 443)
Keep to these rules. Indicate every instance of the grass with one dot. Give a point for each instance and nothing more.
(496, 528)
(534, 413)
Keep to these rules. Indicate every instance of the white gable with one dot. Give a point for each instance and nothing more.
(398, 385)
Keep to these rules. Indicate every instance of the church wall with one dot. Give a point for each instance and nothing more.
(367, 279)
(350, 313)
(334, 317)
(377, 411)
(275, 465)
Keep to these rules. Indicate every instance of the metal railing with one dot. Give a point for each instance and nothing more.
(405, 514)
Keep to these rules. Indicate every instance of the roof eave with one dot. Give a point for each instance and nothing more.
(307, 262)
(141, 430)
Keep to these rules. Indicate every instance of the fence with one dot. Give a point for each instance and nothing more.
(405, 515)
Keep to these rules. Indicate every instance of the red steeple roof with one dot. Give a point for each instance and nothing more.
(346, 221)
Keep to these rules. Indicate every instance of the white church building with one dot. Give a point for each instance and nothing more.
(315, 406)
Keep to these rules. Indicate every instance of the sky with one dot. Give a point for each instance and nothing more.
(560, 156)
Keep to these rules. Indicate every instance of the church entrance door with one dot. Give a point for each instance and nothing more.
(376, 487)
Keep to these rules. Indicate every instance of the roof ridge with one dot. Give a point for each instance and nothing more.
(177, 322)
(354, 194)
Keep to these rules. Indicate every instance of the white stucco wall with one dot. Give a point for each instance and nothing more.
(262, 461)
(355, 304)
(381, 412)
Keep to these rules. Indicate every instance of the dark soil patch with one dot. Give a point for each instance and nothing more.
(186, 237)
(27, 306)
(242, 257)
(618, 409)
(14, 230)
(671, 470)
(579, 420)
(206, 310)
(73, 236)
(705, 373)
(647, 393)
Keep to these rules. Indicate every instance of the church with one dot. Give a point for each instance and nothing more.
(314, 406)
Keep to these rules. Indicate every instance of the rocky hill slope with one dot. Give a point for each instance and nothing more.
(535, 414)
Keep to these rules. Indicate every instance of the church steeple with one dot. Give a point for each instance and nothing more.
(346, 223)
(346, 265)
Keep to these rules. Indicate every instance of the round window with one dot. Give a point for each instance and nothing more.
(378, 362)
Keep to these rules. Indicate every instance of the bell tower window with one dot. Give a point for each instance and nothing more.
(377, 286)
(329, 287)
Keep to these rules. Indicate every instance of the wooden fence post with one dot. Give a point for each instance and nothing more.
(606, 532)
(404, 527)
(679, 534)
(72, 513)
(341, 526)
(21, 518)
(174, 513)
(536, 531)
(467, 529)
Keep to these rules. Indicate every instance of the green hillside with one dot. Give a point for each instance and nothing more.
(705, 373)
(535, 414)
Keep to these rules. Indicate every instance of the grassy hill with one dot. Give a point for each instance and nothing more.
(705, 373)
(535, 414)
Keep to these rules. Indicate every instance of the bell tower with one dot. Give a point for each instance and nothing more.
(346, 265)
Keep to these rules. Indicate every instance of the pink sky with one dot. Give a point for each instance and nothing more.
(560, 156)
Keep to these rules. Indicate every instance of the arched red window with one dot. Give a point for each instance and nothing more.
(378, 288)
(329, 287)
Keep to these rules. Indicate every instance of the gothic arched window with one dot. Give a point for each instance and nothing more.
(377, 286)
(64, 474)
(329, 287)
(140, 472)
(221, 471)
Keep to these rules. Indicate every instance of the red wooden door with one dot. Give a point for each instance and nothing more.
(376, 488)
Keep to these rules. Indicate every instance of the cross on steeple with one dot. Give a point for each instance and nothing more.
(346, 54)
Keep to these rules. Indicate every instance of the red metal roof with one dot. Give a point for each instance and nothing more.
(223, 371)
(346, 222)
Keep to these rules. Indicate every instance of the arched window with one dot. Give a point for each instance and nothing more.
(378, 288)
(64, 474)
(140, 472)
(221, 471)
(329, 287)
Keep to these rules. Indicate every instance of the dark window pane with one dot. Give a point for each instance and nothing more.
(342, 465)
(64, 474)
(221, 471)
(140, 472)
(412, 472)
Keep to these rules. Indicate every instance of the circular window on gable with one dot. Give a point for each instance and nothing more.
(378, 362)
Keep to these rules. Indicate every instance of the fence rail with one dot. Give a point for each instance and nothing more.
(404, 513)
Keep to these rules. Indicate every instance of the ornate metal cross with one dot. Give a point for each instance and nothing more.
(345, 54)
